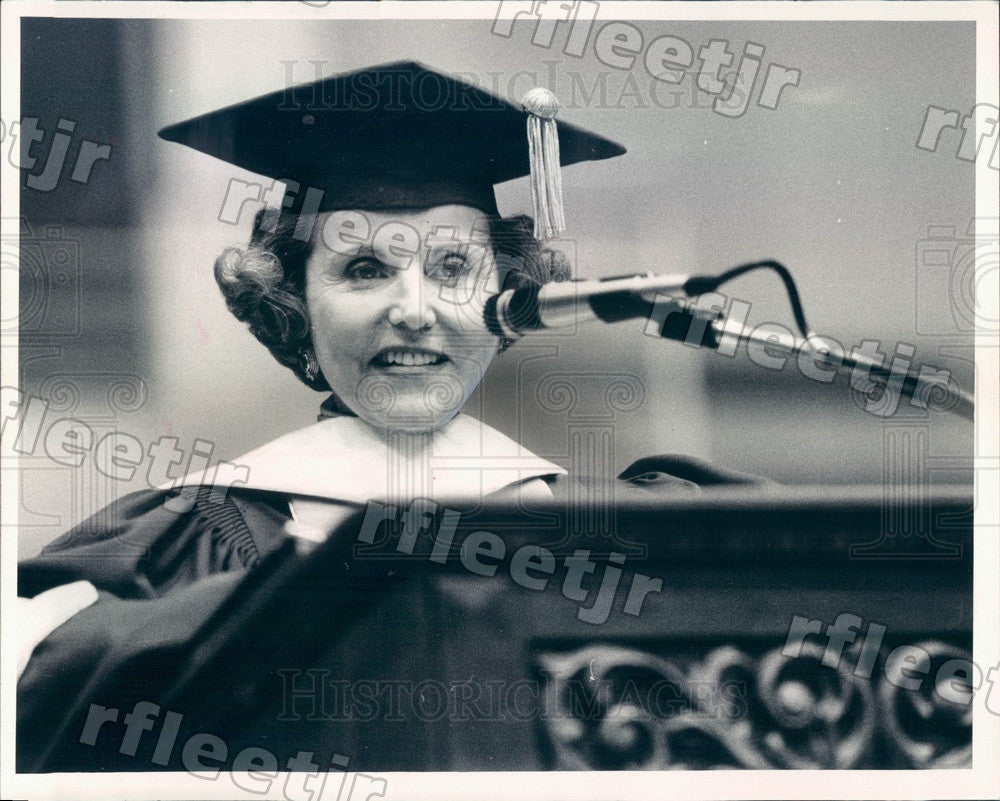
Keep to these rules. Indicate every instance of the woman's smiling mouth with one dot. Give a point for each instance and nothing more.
(408, 358)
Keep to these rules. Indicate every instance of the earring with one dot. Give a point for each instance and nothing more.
(310, 366)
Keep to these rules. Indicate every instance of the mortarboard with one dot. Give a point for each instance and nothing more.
(397, 135)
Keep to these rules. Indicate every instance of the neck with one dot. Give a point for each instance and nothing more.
(410, 443)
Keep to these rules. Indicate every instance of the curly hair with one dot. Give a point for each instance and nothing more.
(264, 283)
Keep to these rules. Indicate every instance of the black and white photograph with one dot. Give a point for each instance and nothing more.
(515, 399)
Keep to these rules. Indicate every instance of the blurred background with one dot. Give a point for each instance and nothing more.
(122, 326)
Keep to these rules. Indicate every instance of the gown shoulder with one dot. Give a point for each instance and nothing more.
(147, 543)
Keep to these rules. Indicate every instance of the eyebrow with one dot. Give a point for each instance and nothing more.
(461, 247)
(363, 251)
(448, 248)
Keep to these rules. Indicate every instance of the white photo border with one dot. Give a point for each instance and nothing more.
(980, 781)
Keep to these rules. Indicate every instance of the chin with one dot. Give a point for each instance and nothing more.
(408, 425)
(409, 419)
(413, 409)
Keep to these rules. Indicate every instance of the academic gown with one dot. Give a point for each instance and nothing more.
(165, 561)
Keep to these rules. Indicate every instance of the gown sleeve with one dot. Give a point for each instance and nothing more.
(162, 565)
(665, 476)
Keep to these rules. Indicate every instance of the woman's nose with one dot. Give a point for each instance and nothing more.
(412, 308)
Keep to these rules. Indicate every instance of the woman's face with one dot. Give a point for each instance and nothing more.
(396, 302)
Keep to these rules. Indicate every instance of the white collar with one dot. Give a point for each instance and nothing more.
(342, 458)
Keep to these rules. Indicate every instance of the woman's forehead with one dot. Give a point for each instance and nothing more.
(456, 221)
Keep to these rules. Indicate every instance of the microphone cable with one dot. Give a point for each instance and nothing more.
(703, 284)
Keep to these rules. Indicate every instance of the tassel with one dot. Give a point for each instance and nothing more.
(543, 157)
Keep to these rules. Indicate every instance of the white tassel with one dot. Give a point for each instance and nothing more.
(543, 157)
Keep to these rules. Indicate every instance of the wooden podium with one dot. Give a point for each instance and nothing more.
(773, 640)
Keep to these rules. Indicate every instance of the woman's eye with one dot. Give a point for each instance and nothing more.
(366, 270)
(446, 267)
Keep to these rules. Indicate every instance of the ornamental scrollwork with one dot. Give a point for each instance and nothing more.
(613, 707)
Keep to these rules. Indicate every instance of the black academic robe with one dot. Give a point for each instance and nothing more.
(163, 571)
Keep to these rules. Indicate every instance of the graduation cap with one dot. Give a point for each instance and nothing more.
(398, 135)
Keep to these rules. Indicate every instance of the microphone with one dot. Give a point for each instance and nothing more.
(515, 312)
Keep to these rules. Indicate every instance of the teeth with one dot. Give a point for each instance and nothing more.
(409, 359)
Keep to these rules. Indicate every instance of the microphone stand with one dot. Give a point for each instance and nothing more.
(686, 322)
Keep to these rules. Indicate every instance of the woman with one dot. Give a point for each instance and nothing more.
(369, 282)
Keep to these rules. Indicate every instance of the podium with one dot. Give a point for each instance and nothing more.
(819, 627)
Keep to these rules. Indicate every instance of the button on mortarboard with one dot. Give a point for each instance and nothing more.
(392, 136)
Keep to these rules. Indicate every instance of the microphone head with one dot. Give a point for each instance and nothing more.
(514, 312)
